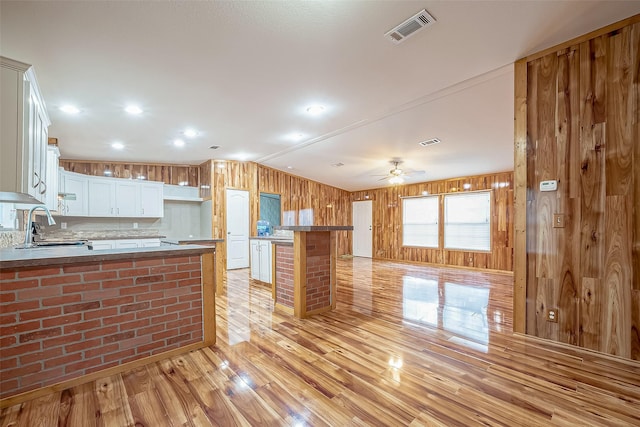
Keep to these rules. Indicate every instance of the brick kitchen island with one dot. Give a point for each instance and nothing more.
(305, 270)
(70, 315)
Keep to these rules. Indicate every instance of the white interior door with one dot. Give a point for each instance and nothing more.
(362, 228)
(237, 229)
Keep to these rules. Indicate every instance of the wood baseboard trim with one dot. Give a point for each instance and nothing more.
(318, 311)
(33, 394)
(283, 308)
(431, 264)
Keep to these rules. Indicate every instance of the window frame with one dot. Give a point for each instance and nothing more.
(490, 222)
(438, 222)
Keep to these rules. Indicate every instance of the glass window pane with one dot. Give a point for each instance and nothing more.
(420, 221)
(467, 221)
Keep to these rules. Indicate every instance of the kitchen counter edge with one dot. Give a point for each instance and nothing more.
(38, 257)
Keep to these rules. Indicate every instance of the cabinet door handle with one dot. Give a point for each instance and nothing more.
(45, 187)
(39, 180)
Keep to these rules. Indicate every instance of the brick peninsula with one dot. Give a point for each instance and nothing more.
(70, 315)
(304, 270)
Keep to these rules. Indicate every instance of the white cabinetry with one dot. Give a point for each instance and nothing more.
(52, 178)
(102, 197)
(114, 197)
(124, 244)
(98, 245)
(151, 200)
(110, 197)
(261, 260)
(74, 188)
(24, 125)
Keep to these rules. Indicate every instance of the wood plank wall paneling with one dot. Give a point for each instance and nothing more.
(167, 173)
(331, 205)
(387, 222)
(582, 129)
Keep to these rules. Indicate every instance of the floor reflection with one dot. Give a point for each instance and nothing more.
(457, 308)
(420, 300)
(465, 313)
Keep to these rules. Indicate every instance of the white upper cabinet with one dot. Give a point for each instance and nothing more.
(151, 200)
(74, 189)
(102, 197)
(25, 125)
(52, 178)
(116, 197)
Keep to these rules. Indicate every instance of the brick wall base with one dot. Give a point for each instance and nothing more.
(60, 323)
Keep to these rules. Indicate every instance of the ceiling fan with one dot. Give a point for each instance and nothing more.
(397, 175)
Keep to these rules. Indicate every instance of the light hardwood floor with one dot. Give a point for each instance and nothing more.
(407, 345)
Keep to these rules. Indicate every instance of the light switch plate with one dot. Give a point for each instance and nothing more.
(558, 220)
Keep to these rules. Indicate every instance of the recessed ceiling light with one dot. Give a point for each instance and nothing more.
(295, 136)
(315, 110)
(133, 109)
(70, 109)
(190, 133)
(117, 145)
(289, 167)
(178, 143)
(337, 165)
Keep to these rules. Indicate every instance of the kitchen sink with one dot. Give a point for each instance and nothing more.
(53, 244)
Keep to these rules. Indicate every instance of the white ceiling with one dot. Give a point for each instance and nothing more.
(243, 73)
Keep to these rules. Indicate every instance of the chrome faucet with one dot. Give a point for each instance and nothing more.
(28, 237)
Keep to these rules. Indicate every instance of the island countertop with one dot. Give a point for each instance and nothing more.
(43, 256)
(314, 227)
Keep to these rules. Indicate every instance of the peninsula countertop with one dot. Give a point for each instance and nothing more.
(191, 240)
(42, 256)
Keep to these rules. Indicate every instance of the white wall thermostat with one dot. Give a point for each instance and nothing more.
(551, 185)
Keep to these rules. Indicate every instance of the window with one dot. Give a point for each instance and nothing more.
(420, 221)
(467, 221)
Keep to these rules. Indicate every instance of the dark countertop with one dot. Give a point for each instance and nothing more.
(191, 240)
(16, 258)
(124, 237)
(314, 227)
(274, 239)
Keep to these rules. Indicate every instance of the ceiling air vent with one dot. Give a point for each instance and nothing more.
(409, 27)
(429, 142)
(214, 147)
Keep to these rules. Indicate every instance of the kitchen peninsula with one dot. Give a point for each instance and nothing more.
(70, 314)
(305, 270)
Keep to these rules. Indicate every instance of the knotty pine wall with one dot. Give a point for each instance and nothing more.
(578, 122)
(331, 206)
(167, 173)
(387, 222)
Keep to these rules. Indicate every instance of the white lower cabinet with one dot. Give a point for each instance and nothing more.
(102, 244)
(124, 243)
(261, 260)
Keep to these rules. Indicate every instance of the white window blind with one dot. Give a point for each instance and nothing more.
(467, 221)
(420, 222)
